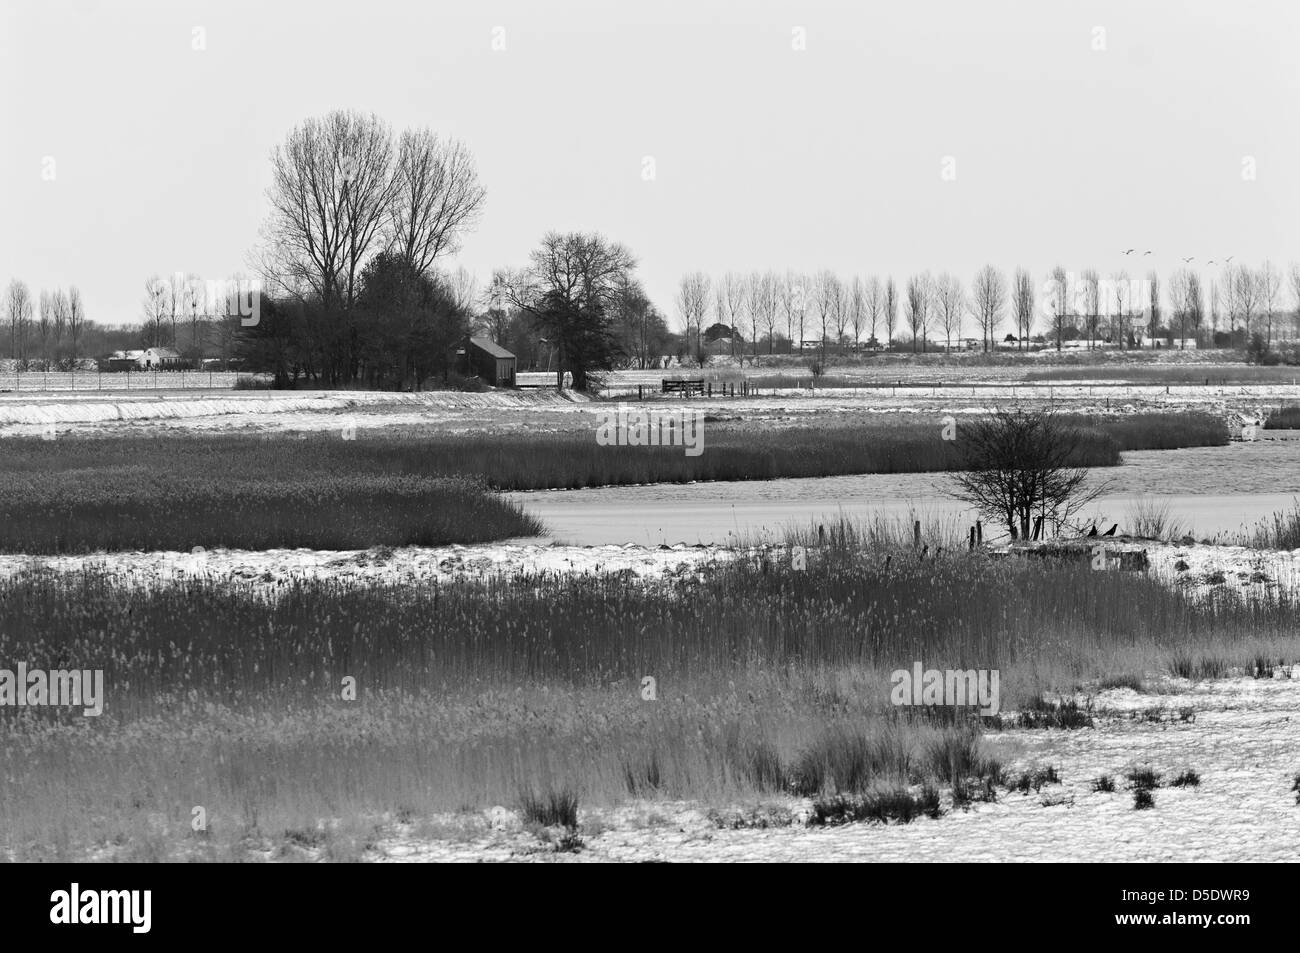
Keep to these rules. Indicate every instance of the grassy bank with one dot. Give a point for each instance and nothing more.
(767, 680)
(1284, 418)
(86, 496)
(319, 491)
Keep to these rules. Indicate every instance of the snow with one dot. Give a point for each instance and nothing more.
(271, 570)
(1238, 734)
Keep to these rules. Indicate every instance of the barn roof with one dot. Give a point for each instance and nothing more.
(490, 346)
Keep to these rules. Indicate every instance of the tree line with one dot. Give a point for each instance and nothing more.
(771, 311)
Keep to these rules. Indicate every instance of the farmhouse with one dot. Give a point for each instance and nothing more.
(491, 362)
(161, 358)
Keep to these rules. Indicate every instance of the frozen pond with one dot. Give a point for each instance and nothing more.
(1210, 490)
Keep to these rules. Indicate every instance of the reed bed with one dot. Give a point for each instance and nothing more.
(768, 679)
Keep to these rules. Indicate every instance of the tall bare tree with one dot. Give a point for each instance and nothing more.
(827, 299)
(1153, 305)
(61, 306)
(1247, 295)
(857, 308)
(769, 304)
(988, 301)
(950, 304)
(1121, 294)
(693, 293)
(18, 310)
(76, 321)
(1023, 301)
(918, 305)
(45, 325)
(1060, 303)
(875, 305)
(332, 192)
(1090, 303)
(891, 311)
(436, 198)
(1270, 286)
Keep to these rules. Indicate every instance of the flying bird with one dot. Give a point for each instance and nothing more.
(1145, 253)
(1130, 251)
(1229, 259)
(1189, 260)
(1210, 262)
(1111, 531)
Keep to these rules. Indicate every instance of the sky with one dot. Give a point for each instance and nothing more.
(868, 138)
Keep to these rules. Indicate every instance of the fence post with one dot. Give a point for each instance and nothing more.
(916, 534)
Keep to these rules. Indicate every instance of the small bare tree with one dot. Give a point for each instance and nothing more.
(1020, 466)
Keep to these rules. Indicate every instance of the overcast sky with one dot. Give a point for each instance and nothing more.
(1075, 130)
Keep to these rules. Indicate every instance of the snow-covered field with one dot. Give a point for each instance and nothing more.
(1240, 735)
(268, 571)
(25, 414)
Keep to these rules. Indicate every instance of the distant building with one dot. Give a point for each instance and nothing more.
(161, 359)
(491, 362)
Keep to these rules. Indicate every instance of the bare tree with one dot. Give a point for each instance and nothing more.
(1295, 293)
(76, 321)
(1247, 295)
(840, 309)
(45, 325)
(331, 194)
(918, 305)
(1121, 294)
(1090, 302)
(436, 198)
(988, 301)
(18, 309)
(1270, 286)
(950, 303)
(570, 289)
(827, 298)
(1153, 304)
(693, 293)
(1180, 299)
(793, 304)
(875, 305)
(1022, 298)
(61, 306)
(733, 295)
(769, 303)
(1018, 466)
(857, 309)
(1061, 320)
(891, 312)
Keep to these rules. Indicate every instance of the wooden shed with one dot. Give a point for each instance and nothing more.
(491, 362)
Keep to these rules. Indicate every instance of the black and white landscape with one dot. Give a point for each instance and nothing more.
(693, 431)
